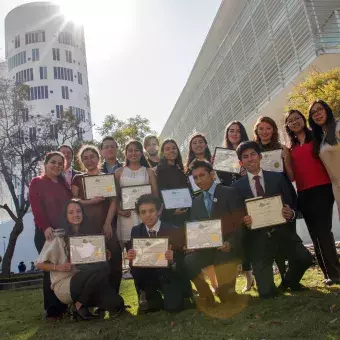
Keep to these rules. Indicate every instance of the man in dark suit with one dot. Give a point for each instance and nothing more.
(151, 282)
(267, 243)
(216, 202)
(69, 172)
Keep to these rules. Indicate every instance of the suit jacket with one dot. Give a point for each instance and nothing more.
(274, 184)
(228, 206)
(104, 167)
(175, 234)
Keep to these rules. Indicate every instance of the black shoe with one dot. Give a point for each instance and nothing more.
(330, 282)
(143, 302)
(83, 313)
(282, 287)
(298, 288)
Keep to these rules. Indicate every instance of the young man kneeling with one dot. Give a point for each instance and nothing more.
(158, 287)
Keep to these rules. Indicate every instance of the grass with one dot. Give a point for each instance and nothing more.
(313, 314)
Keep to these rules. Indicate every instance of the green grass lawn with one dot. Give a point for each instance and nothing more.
(313, 314)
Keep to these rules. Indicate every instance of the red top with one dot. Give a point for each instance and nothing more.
(47, 200)
(309, 172)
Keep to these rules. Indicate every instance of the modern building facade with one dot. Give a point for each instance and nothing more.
(47, 52)
(253, 54)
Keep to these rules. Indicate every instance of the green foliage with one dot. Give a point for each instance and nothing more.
(317, 85)
(132, 128)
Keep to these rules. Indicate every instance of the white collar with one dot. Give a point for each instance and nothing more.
(155, 227)
(251, 176)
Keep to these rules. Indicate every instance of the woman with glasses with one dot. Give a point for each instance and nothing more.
(315, 196)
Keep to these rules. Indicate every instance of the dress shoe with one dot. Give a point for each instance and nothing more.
(298, 288)
(330, 282)
(83, 313)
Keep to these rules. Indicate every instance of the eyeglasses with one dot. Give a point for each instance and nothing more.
(293, 120)
(318, 110)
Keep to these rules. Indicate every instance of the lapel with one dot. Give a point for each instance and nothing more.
(246, 188)
(267, 186)
(202, 208)
(143, 231)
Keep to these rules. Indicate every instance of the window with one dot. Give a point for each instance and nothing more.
(33, 133)
(35, 54)
(19, 137)
(59, 111)
(63, 73)
(88, 100)
(43, 72)
(17, 60)
(80, 78)
(56, 54)
(68, 56)
(17, 41)
(24, 113)
(64, 92)
(54, 131)
(80, 133)
(35, 37)
(66, 38)
(24, 76)
(38, 92)
(78, 113)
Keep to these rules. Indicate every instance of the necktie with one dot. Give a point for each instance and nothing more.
(258, 186)
(208, 202)
(152, 233)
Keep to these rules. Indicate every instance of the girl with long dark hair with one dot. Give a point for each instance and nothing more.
(315, 195)
(136, 171)
(170, 175)
(326, 136)
(47, 195)
(88, 288)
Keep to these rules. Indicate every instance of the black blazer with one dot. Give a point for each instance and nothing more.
(275, 183)
(227, 206)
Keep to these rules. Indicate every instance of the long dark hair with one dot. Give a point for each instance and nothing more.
(178, 160)
(275, 142)
(244, 136)
(317, 129)
(293, 140)
(139, 146)
(191, 155)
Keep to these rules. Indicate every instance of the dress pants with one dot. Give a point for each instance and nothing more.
(266, 245)
(115, 262)
(52, 304)
(316, 205)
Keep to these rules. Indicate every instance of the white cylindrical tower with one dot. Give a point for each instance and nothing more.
(47, 52)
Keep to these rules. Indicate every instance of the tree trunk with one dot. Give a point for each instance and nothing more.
(7, 260)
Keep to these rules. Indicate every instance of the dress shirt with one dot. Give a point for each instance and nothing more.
(210, 192)
(154, 228)
(252, 182)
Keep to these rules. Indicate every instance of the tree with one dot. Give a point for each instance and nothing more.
(24, 140)
(133, 128)
(317, 85)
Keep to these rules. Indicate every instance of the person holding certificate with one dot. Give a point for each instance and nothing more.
(136, 172)
(267, 242)
(170, 175)
(216, 202)
(152, 280)
(84, 288)
(100, 211)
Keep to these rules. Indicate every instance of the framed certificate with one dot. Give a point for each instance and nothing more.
(87, 249)
(204, 234)
(131, 194)
(177, 198)
(226, 161)
(150, 252)
(272, 161)
(100, 186)
(265, 212)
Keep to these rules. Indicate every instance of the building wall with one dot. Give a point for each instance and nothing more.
(23, 27)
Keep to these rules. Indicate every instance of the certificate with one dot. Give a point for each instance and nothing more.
(87, 249)
(100, 186)
(226, 161)
(265, 212)
(272, 161)
(150, 252)
(177, 198)
(131, 194)
(204, 234)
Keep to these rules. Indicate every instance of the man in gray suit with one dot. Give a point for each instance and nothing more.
(269, 242)
(216, 202)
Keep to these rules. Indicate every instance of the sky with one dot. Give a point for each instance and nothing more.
(139, 52)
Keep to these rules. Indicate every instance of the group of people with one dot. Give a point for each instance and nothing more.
(311, 159)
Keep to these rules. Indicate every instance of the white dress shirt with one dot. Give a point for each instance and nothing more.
(154, 228)
(252, 182)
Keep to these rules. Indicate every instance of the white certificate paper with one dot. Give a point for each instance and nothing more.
(87, 249)
(99, 186)
(272, 161)
(150, 252)
(226, 161)
(204, 234)
(265, 212)
(131, 194)
(177, 198)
